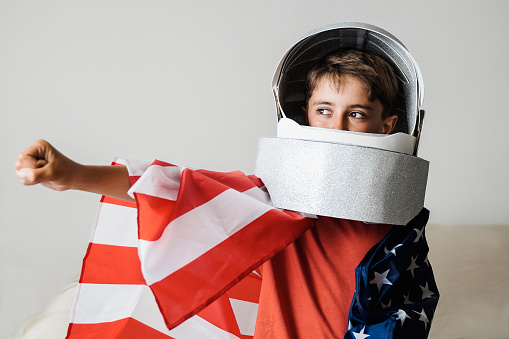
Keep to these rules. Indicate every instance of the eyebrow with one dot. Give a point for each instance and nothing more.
(323, 103)
(351, 106)
(360, 106)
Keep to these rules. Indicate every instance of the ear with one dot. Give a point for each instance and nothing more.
(305, 115)
(389, 124)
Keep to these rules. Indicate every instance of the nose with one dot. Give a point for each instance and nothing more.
(339, 123)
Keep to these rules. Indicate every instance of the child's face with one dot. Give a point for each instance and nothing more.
(347, 108)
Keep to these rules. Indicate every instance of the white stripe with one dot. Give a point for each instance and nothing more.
(116, 225)
(147, 312)
(159, 181)
(261, 194)
(98, 303)
(197, 327)
(135, 167)
(101, 303)
(245, 314)
(194, 233)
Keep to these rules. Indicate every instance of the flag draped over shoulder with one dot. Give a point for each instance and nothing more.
(181, 262)
(396, 294)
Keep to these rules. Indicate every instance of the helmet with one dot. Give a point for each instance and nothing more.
(289, 80)
(359, 176)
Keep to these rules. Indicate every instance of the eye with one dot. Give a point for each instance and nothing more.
(324, 111)
(357, 115)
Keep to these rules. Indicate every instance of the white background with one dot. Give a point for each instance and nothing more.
(189, 82)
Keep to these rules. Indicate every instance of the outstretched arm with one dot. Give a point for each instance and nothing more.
(42, 164)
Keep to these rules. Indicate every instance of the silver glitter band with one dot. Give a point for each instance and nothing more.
(342, 181)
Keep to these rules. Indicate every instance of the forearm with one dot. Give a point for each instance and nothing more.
(112, 181)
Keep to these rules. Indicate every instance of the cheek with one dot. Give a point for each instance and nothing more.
(314, 121)
(363, 126)
(374, 127)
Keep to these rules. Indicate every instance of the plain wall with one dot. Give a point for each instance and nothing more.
(189, 82)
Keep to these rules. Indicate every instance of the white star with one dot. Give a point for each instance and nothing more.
(424, 318)
(413, 265)
(361, 334)
(349, 325)
(386, 306)
(407, 299)
(419, 234)
(426, 260)
(393, 251)
(426, 293)
(381, 279)
(402, 316)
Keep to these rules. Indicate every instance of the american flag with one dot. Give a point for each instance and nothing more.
(396, 294)
(182, 262)
(185, 254)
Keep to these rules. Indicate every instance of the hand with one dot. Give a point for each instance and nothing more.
(42, 164)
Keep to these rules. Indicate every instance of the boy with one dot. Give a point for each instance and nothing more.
(307, 288)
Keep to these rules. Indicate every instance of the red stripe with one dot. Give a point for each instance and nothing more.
(198, 190)
(255, 180)
(191, 288)
(236, 179)
(156, 214)
(220, 314)
(127, 328)
(133, 179)
(162, 163)
(248, 289)
(115, 201)
(107, 264)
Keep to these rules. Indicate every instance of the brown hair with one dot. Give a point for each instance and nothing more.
(375, 73)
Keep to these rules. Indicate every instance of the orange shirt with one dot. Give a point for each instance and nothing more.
(308, 287)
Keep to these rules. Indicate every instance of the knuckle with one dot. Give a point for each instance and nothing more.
(43, 143)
